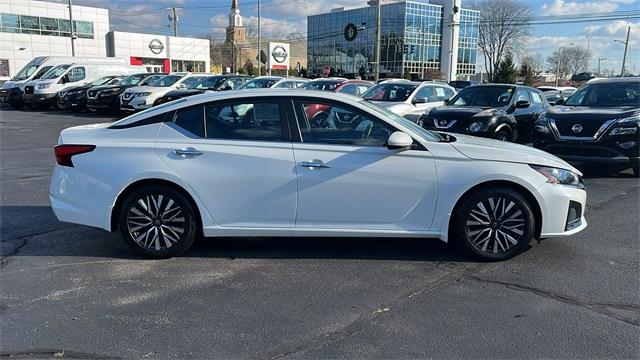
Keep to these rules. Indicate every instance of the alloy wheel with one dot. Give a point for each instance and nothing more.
(495, 225)
(156, 222)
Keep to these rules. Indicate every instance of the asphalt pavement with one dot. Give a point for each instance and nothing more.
(72, 291)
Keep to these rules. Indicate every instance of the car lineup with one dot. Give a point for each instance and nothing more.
(366, 171)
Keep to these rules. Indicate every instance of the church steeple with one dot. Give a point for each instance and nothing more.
(234, 14)
(235, 31)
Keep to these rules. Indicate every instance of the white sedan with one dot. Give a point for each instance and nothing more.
(250, 163)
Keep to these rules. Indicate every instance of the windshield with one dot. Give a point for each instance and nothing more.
(28, 69)
(166, 81)
(258, 84)
(56, 72)
(606, 94)
(131, 80)
(41, 72)
(101, 81)
(325, 85)
(208, 83)
(483, 96)
(390, 92)
(426, 134)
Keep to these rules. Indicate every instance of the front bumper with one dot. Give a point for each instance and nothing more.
(72, 102)
(618, 151)
(38, 99)
(135, 104)
(103, 102)
(558, 202)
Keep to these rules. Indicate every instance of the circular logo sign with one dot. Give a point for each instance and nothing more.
(156, 46)
(279, 54)
(576, 128)
(350, 32)
(326, 70)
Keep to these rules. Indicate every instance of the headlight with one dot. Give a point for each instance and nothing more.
(141, 94)
(108, 91)
(559, 176)
(475, 127)
(43, 86)
(626, 126)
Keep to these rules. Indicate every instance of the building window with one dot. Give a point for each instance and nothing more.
(4, 67)
(44, 26)
(187, 65)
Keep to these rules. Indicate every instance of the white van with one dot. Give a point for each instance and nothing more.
(11, 91)
(43, 92)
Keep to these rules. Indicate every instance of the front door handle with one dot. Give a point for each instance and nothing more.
(315, 164)
(187, 151)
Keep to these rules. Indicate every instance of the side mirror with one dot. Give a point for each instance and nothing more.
(559, 102)
(64, 79)
(419, 100)
(399, 141)
(446, 101)
(521, 104)
(182, 86)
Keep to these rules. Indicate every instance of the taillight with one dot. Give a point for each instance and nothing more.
(65, 152)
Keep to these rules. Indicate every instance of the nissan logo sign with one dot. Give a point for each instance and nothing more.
(576, 128)
(156, 46)
(279, 54)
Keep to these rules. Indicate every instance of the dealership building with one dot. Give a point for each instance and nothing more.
(30, 28)
(425, 38)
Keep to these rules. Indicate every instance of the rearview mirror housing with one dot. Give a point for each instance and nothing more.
(559, 102)
(399, 141)
(419, 100)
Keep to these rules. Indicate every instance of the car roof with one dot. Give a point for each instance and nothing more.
(614, 80)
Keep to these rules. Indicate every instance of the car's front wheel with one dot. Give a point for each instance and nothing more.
(158, 222)
(494, 224)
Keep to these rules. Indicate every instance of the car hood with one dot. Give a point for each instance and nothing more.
(592, 113)
(105, 87)
(184, 92)
(493, 150)
(462, 113)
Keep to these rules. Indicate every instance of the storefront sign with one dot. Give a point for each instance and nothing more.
(156, 46)
(279, 56)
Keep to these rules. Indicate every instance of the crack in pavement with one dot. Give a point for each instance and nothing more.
(600, 308)
(22, 241)
(52, 354)
(363, 321)
(615, 197)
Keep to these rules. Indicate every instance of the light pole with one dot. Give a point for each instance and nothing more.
(588, 43)
(259, 50)
(599, 63)
(376, 74)
(73, 35)
(626, 46)
(558, 61)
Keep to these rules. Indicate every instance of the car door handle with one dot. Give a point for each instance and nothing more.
(188, 151)
(315, 164)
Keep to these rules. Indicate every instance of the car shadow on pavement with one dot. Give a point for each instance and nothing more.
(34, 231)
(604, 172)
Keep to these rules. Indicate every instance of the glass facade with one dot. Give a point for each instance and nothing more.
(411, 40)
(44, 26)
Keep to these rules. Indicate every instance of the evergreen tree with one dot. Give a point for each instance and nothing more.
(528, 74)
(506, 72)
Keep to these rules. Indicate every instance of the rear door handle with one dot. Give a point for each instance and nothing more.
(315, 164)
(187, 151)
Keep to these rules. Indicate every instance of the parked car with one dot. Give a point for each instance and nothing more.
(143, 97)
(289, 83)
(599, 123)
(260, 82)
(568, 89)
(12, 91)
(107, 97)
(211, 83)
(197, 166)
(75, 97)
(409, 99)
(499, 111)
(556, 96)
(44, 91)
(319, 113)
(584, 76)
(324, 84)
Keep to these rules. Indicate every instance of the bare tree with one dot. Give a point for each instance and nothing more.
(534, 62)
(577, 58)
(504, 27)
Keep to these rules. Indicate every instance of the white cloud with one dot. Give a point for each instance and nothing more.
(563, 7)
(618, 27)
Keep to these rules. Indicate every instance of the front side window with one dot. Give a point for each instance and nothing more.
(328, 123)
(55, 72)
(245, 120)
(167, 80)
(522, 95)
(188, 82)
(537, 98)
(76, 74)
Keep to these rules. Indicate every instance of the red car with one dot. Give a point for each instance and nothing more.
(339, 85)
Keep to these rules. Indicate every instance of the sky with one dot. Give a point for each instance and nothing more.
(202, 17)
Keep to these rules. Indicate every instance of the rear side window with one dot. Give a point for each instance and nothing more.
(537, 98)
(190, 119)
(245, 120)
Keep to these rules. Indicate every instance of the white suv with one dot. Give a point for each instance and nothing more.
(409, 98)
(143, 97)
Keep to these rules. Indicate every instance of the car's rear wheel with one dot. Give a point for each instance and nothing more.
(503, 135)
(158, 222)
(494, 224)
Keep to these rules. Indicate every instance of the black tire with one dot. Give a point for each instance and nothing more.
(503, 134)
(161, 237)
(494, 240)
(16, 105)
